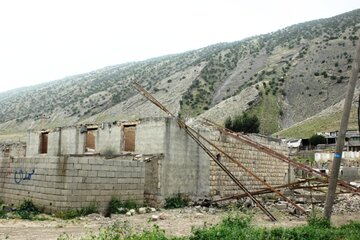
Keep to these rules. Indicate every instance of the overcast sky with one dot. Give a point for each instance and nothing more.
(42, 41)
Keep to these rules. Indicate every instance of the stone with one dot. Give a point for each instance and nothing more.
(142, 210)
(132, 211)
(198, 208)
(128, 214)
(153, 209)
(216, 198)
(163, 216)
(301, 200)
(199, 215)
(121, 210)
(154, 218)
(212, 210)
(281, 206)
(248, 203)
(204, 209)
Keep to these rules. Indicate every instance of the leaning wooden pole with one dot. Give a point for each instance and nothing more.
(334, 174)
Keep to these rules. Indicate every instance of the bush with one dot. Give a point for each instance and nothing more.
(176, 201)
(317, 139)
(228, 122)
(243, 123)
(74, 213)
(27, 210)
(118, 206)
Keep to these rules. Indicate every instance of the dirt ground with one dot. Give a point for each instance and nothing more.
(177, 222)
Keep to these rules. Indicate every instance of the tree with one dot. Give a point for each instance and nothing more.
(317, 139)
(243, 123)
(228, 122)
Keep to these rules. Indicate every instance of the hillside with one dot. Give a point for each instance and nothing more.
(285, 77)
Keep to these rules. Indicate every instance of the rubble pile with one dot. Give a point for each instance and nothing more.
(344, 203)
(347, 203)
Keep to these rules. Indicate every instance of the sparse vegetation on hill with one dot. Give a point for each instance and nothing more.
(298, 72)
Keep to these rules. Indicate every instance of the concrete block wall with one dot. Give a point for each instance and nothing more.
(72, 141)
(152, 189)
(185, 167)
(32, 143)
(150, 135)
(273, 171)
(58, 183)
(12, 149)
(54, 139)
(108, 138)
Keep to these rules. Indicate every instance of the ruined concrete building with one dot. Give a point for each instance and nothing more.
(145, 161)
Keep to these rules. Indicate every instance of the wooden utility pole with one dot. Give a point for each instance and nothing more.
(330, 196)
(358, 120)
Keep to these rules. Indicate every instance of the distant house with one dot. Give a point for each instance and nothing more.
(352, 141)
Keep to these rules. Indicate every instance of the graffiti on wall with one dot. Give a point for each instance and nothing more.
(21, 175)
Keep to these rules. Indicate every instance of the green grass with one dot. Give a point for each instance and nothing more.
(74, 213)
(235, 227)
(320, 124)
(268, 112)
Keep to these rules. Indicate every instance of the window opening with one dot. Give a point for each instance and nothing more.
(44, 142)
(90, 141)
(129, 138)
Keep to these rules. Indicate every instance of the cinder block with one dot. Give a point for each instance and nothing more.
(84, 161)
(92, 173)
(86, 167)
(90, 198)
(105, 168)
(94, 161)
(83, 173)
(95, 167)
(102, 173)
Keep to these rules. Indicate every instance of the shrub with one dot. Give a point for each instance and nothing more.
(118, 206)
(176, 201)
(317, 139)
(228, 122)
(243, 123)
(27, 210)
(74, 213)
(2, 213)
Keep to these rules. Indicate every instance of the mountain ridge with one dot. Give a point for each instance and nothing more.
(296, 72)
